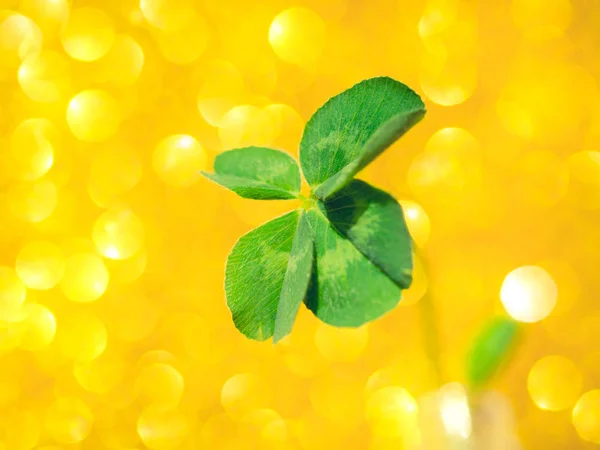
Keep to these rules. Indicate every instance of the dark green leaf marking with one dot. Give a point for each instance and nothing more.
(346, 289)
(373, 221)
(490, 350)
(257, 173)
(353, 128)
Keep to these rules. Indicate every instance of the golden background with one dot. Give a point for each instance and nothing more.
(114, 332)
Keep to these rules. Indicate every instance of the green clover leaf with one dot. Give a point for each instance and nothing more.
(353, 128)
(347, 254)
(258, 173)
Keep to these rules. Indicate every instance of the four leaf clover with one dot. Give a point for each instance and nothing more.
(347, 253)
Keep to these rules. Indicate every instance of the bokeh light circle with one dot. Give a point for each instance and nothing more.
(222, 88)
(12, 294)
(541, 20)
(244, 126)
(529, 294)
(89, 34)
(168, 15)
(178, 160)
(81, 336)
(185, 45)
(244, 392)
(40, 265)
(118, 233)
(159, 384)
(586, 416)
(33, 201)
(297, 36)
(39, 328)
(417, 220)
(20, 37)
(50, 15)
(33, 145)
(162, 429)
(69, 420)
(123, 64)
(584, 183)
(45, 77)
(554, 383)
(93, 115)
(85, 279)
(391, 411)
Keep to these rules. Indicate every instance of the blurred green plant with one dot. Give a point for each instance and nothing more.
(491, 350)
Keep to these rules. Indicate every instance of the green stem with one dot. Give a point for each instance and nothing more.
(432, 342)
(307, 202)
(429, 326)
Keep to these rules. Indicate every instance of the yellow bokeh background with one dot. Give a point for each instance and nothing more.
(114, 331)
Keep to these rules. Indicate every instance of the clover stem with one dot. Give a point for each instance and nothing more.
(307, 202)
(429, 327)
(432, 340)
